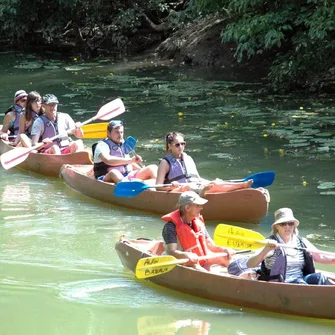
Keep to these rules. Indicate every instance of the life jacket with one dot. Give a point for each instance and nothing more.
(278, 272)
(14, 126)
(51, 130)
(28, 130)
(191, 240)
(100, 169)
(182, 171)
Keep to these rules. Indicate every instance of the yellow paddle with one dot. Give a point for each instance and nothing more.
(95, 130)
(157, 265)
(16, 156)
(241, 238)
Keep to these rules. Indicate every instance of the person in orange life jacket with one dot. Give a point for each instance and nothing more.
(178, 167)
(186, 236)
(10, 125)
(289, 265)
(32, 111)
(52, 123)
(112, 164)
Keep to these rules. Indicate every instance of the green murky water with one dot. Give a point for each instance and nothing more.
(59, 273)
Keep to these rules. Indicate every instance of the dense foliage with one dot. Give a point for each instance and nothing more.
(80, 23)
(298, 35)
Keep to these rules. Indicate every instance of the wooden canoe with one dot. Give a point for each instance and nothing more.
(248, 205)
(49, 165)
(301, 300)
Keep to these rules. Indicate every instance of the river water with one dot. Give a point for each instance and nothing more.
(59, 273)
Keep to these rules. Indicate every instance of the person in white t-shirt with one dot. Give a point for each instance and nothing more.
(113, 164)
(53, 123)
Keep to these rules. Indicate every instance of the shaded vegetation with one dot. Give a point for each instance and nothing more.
(296, 38)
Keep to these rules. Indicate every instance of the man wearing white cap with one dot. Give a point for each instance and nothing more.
(53, 123)
(186, 236)
(12, 116)
(281, 263)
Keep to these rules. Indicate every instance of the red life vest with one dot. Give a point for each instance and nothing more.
(191, 240)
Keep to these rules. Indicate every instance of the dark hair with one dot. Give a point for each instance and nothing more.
(32, 97)
(169, 138)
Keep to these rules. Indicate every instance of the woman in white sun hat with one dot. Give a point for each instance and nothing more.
(288, 264)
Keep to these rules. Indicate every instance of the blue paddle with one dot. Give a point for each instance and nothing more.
(129, 144)
(128, 189)
(261, 179)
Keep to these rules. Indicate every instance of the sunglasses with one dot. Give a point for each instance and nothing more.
(116, 123)
(291, 224)
(177, 145)
(23, 100)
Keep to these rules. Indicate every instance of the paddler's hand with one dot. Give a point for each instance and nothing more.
(46, 141)
(193, 259)
(78, 125)
(230, 252)
(271, 245)
(136, 159)
(4, 136)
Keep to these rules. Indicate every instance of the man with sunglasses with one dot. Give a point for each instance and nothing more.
(113, 164)
(11, 120)
(280, 261)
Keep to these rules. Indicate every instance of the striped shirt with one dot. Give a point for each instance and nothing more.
(295, 259)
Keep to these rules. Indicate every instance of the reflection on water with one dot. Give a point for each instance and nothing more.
(150, 325)
(58, 268)
(16, 193)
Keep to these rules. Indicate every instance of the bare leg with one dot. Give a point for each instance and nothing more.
(148, 172)
(222, 186)
(54, 150)
(113, 176)
(25, 141)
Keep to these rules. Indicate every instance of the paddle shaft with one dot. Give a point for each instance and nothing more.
(19, 154)
(206, 257)
(264, 243)
(175, 261)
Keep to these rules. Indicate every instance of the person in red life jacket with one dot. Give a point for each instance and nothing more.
(10, 125)
(178, 168)
(186, 237)
(113, 164)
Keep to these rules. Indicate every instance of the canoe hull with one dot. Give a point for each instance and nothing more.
(292, 299)
(248, 205)
(49, 165)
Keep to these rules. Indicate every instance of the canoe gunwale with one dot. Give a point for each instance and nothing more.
(310, 301)
(246, 205)
(47, 164)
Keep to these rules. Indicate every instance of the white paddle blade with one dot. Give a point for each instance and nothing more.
(14, 157)
(110, 110)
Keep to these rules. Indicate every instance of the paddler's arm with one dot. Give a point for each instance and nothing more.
(257, 259)
(217, 249)
(116, 161)
(170, 237)
(78, 131)
(317, 254)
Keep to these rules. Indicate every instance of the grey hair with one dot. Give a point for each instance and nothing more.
(182, 209)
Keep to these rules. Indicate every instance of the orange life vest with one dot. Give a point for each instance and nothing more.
(191, 240)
